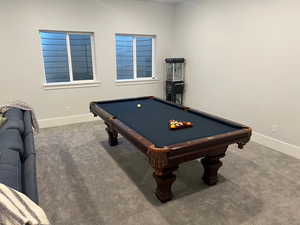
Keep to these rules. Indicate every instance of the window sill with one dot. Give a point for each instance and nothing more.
(78, 84)
(137, 82)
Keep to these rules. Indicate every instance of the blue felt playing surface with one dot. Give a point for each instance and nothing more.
(151, 121)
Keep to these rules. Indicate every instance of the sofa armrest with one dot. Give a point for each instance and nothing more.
(27, 123)
(29, 147)
(29, 178)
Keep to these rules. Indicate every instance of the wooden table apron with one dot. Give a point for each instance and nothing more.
(167, 159)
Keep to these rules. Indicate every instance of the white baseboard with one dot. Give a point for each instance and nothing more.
(270, 142)
(61, 121)
(280, 146)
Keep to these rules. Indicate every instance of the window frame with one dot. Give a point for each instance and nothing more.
(72, 82)
(135, 78)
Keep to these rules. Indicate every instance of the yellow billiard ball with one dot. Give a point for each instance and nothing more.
(139, 105)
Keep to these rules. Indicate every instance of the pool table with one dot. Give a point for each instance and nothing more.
(144, 121)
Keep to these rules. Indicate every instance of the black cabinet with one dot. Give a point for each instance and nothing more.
(174, 91)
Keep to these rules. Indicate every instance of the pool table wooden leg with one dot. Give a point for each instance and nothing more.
(164, 180)
(112, 136)
(211, 166)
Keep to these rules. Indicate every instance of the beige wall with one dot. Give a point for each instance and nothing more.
(242, 56)
(20, 57)
(243, 62)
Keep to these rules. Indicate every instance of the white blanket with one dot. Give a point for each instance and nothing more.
(17, 209)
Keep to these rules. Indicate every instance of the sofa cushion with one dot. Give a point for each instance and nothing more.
(14, 120)
(10, 168)
(11, 139)
(13, 124)
(29, 180)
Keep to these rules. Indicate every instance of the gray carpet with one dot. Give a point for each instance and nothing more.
(84, 181)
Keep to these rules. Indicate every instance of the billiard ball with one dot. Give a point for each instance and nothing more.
(139, 105)
(173, 126)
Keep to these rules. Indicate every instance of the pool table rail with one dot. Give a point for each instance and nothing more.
(210, 146)
(241, 137)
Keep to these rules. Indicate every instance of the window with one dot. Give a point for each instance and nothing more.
(135, 57)
(68, 57)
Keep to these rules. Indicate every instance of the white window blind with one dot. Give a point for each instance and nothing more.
(67, 56)
(134, 56)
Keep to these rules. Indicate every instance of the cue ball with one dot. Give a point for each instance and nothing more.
(139, 105)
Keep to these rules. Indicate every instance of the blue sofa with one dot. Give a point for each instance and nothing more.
(17, 153)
